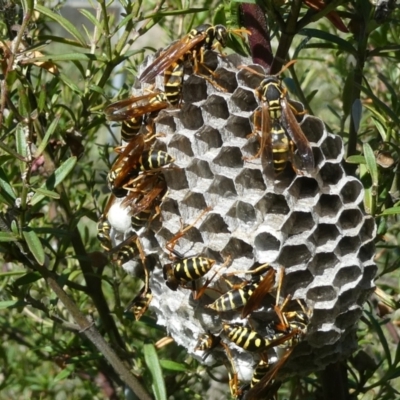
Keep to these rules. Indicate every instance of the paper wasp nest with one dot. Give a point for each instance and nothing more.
(312, 225)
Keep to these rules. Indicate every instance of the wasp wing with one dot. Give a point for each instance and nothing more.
(297, 135)
(135, 107)
(263, 288)
(169, 56)
(127, 160)
(267, 155)
(263, 389)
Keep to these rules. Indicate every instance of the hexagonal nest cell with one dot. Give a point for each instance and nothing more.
(309, 225)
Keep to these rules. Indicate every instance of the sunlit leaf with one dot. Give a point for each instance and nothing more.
(34, 244)
(47, 135)
(5, 188)
(371, 163)
(7, 237)
(55, 179)
(153, 364)
(173, 366)
(67, 25)
(391, 211)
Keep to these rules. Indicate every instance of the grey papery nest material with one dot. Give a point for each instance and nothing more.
(313, 224)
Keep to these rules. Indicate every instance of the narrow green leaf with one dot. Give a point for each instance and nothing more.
(14, 228)
(381, 129)
(47, 193)
(343, 45)
(173, 366)
(65, 373)
(21, 144)
(391, 211)
(7, 237)
(28, 278)
(153, 364)
(357, 159)
(66, 57)
(5, 188)
(368, 202)
(68, 26)
(46, 138)
(10, 304)
(382, 340)
(70, 84)
(93, 20)
(34, 244)
(371, 163)
(59, 39)
(55, 179)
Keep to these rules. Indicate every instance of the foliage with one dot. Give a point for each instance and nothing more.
(56, 79)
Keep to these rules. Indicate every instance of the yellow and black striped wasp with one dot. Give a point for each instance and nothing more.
(187, 270)
(279, 130)
(207, 342)
(247, 295)
(132, 111)
(142, 300)
(189, 48)
(135, 158)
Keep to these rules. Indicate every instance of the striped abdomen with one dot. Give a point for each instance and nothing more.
(190, 269)
(131, 128)
(245, 338)
(280, 147)
(233, 299)
(173, 79)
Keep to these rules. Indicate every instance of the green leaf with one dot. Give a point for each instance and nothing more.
(71, 84)
(66, 57)
(7, 237)
(173, 366)
(93, 20)
(21, 144)
(47, 193)
(357, 159)
(382, 340)
(68, 26)
(343, 45)
(14, 228)
(55, 179)
(34, 244)
(371, 163)
(46, 138)
(153, 364)
(28, 278)
(391, 211)
(65, 373)
(10, 304)
(381, 128)
(5, 188)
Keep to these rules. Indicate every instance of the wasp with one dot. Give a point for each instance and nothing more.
(132, 111)
(208, 342)
(239, 296)
(103, 233)
(191, 47)
(141, 302)
(279, 129)
(132, 160)
(143, 199)
(185, 270)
